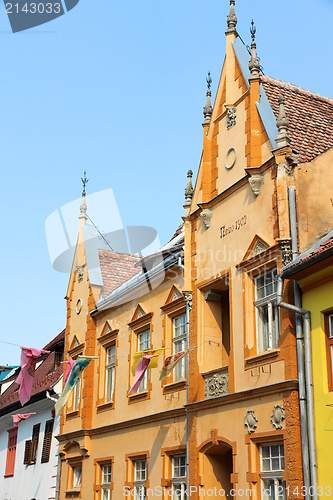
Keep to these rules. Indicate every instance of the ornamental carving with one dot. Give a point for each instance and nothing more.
(79, 271)
(216, 385)
(278, 416)
(188, 299)
(206, 215)
(231, 117)
(256, 181)
(287, 254)
(250, 421)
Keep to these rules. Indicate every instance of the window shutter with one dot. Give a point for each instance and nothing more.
(27, 452)
(47, 441)
(35, 437)
(11, 452)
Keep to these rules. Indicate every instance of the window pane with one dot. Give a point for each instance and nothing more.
(144, 341)
(77, 477)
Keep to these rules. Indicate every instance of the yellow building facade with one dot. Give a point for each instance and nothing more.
(227, 421)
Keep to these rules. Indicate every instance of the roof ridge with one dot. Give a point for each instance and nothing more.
(119, 253)
(296, 88)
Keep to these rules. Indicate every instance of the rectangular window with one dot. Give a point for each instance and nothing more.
(267, 311)
(328, 323)
(179, 344)
(11, 452)
(179, 477)
(77, 475)
(110, 372)
(47, 441)
(140, 476)
(272, 467)
(106, 481)
(144, 345)
(77, 394)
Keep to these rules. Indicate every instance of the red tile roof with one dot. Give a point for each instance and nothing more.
(59, 339)
(324, 250)
(310, 117)
(116, 268)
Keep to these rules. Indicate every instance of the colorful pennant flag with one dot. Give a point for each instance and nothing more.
(29, 357)
(154, 361)
(73, 378)
(140, 370)
(21, 416)
(70, 364)
(171, 361)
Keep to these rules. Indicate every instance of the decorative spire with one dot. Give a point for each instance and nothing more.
(188, 193)
(282, 125)
(208, 110)
(232, 19)
(254, 65)
(83, 206)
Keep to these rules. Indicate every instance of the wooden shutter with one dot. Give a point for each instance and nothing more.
(47, 441)
(34, 445)
(11, 452)
(27, 452)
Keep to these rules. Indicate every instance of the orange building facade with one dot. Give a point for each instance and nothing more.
(227, 421)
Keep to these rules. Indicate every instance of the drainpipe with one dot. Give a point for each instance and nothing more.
(300, 348)
(180, 265)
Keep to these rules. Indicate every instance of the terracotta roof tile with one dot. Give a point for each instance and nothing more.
(116, 268)
(324, 250)
(310, 117)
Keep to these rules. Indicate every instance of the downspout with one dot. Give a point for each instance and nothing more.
(300, 349)
(180, 265)
(308, 384)
(309, 455)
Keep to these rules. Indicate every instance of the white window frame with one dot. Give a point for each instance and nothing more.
(144, 345)
(140, 477)
(273, 476)
(110, 370)
(77, 477)
(178, 483)
(179, 344)
(106, 481)
(77, 395)
(267, 305)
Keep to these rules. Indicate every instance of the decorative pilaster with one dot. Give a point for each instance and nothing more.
(188, 193)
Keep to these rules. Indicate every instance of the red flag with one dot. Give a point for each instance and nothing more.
(29, 357)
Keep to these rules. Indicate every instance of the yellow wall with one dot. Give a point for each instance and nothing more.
(317, 301)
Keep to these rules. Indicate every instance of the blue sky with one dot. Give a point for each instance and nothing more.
(117, 88)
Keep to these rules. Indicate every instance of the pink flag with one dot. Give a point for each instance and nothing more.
(70, 364)
(21, 416)
(29, 357)
(140, 370)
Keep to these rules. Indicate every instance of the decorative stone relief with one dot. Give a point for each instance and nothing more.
(260, 247)
(216, 385)
(231, 117)
(256, 181)
(278, 416)
(176, 294)
(207, 214)
(230, 158)
(79, 271)
(250, 421)
(188, 299)
(287, 254)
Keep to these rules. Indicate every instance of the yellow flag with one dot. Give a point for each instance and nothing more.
(153, 362)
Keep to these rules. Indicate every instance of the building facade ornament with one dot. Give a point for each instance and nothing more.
(278, 416)
(83, 206)
(188, 193)
(231, 117)
(250, 421)
(256, 181)
(230, 158)
(206, 215)
(282, 125)
(232, 19)
(216, 385)
(260, 247)
(79, 271)
(188, 300)
(208, 110)
(254, 65)
(287, 254)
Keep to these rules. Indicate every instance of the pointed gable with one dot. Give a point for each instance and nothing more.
(257, 246)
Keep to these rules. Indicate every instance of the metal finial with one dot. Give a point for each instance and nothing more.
(253, 30)
(188, 193)
(209, 80)
(84, 182)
